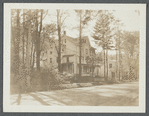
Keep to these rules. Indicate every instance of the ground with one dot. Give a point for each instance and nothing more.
(125, 94)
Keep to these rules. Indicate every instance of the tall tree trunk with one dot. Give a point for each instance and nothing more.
(59, 37)
(13, 63)
(119, 56)
(36, 34)
(31, 52)
(17, 60)
(28, 47)
(23, 36)
(33, 59)
(104, 66)
(38, 40)
(80, 67)
(116, 58)
(107, 62)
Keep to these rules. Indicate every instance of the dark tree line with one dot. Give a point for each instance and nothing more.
(26, 29)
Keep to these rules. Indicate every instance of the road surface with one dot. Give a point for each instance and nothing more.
(125, 94)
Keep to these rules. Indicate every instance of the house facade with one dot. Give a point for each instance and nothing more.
(111, 70)
(49, 55)
(71, 53)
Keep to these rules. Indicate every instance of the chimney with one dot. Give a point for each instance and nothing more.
(64, 32)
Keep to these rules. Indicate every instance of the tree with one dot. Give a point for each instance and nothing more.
(61, 16)
(59, 37)
(130, 48)
(17, 43)
(103, 34)
(24, 33)
(118, 42)
(85, 17)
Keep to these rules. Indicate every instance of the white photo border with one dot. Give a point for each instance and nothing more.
(84, 109)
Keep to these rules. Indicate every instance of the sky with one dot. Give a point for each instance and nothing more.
(129, 18)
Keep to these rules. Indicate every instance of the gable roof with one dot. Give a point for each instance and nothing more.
(87, 40)
(76, 40)
(71, 39)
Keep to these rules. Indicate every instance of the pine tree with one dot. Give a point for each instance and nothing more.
(103, 35)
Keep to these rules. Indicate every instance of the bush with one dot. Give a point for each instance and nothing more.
(48, 77)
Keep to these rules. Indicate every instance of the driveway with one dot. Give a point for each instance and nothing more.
(125, 94)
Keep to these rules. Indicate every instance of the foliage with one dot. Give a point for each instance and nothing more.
(103, 34)
(130, 47)
(103, 29)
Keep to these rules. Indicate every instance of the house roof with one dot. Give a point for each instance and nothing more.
(76, 40)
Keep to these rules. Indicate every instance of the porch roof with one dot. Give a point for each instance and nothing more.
(68, 63)
(90, 65)
(68, 55)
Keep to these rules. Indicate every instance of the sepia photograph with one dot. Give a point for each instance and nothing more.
(74, 55)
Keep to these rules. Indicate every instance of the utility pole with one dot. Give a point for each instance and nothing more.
(59, 36)
(80, 67)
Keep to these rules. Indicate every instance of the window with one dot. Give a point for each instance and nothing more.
(62, 48)
(65, 40)
(50, 60)
(82, 50)
(83, 41)
(82, 58)
(110, 65)
(50, 52)
(91, 53)
(86, 51)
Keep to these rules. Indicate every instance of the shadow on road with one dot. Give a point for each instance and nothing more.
(17, 100)
(55, 99)
(108, 95)
(38, 99)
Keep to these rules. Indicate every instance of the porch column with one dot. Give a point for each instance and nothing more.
(82, 69)
(67, 67)
(75, 64)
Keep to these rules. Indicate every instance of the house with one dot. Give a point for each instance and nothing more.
(111, 70)
(71, 53)
(49, 55)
